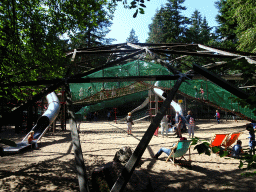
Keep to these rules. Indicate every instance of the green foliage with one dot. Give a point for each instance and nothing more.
(227, 24)
(31, 47)
(244, 14)
(215, 149)
(195, 141)
(237, 31)
(236, 24)
(94, 33)
(133, 4)
(248, 174)
(241, 164)
(203, 148)
(133, 38)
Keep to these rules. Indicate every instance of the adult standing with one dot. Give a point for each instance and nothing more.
(164, 125)
(129, 123)
(179, 125)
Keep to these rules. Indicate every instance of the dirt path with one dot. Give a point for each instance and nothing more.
(51, 168)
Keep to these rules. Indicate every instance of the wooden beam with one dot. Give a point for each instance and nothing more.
(79, 160)
(220, 81)
(249, 60)
(140, 149)
(191, 53)
(95, 80)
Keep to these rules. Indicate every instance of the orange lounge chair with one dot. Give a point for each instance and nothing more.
(218, 140)
(233, 137)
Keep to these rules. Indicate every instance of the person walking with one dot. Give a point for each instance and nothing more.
(217, 115)
(164, 125)
(129, 123)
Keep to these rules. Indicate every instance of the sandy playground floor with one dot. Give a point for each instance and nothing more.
(51, 168)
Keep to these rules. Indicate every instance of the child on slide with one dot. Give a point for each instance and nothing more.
(31, 139)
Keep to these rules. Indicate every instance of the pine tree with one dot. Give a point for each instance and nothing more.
(245, 14)
(205, 32)
(195, 28)
(155, 28)
(94, 34)
(199, 31)
(175, 25)
(169, 26)
(227, 24)
(132, 37)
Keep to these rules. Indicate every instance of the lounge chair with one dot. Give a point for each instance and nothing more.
(179, 150)
(218, 139)
(231, 139)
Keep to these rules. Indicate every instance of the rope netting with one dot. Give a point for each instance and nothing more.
(109, 93)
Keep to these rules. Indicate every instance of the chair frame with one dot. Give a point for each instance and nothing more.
(215, 136)
(172, 159)
(226, 144)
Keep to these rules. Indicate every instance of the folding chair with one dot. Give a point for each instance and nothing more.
(231, 139)
(179, 150)
(218, 139)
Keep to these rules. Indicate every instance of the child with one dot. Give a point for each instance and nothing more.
(31, 139)
(192, 126)
(217, 116)
(202, 93)
(237, 149)
(252, 142)
(129, 123)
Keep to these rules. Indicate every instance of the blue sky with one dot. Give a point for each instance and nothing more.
(123, 21)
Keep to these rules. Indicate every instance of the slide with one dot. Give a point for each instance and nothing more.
(144, 104)
(42, 124)
(160, 93)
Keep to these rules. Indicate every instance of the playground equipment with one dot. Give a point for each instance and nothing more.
(175, 105)
(42, 124)
(123, 55)
(102, 95)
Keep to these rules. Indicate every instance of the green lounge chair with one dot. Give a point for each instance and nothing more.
(179, 150)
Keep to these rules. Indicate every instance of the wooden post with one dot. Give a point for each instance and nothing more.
(80, 166)
(141, 147)
(54, 126)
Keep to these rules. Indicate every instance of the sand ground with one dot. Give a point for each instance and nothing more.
(51, 168)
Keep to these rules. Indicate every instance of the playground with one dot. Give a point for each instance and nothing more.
(51, 168)
(156, 89)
